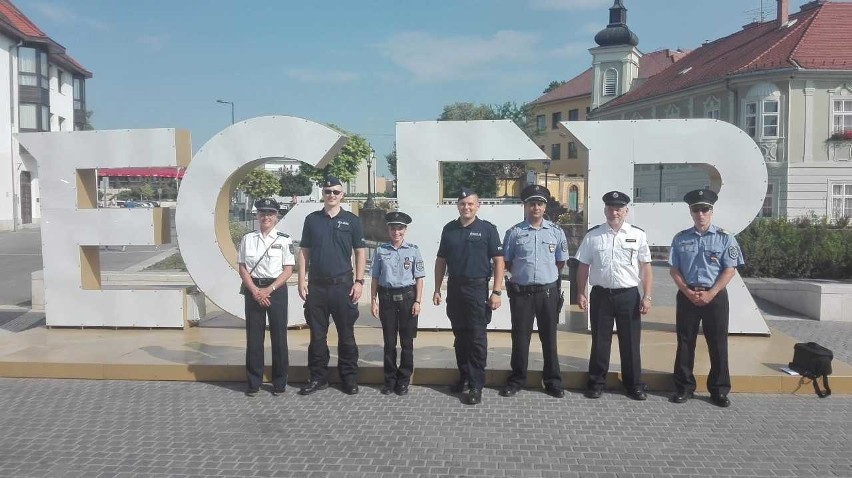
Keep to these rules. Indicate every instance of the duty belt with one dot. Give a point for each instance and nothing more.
(396, 294)
(698, 288)
(532, 288)
(263, 282)
(344, 279)
(613, 291)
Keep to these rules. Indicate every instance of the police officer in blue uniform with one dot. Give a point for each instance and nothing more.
(470, 247)
(266, 261)
(396, 290)
(616, 259)
(534, 252)
(329, 237)
(703, 260)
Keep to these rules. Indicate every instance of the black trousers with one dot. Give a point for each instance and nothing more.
(525, 308)
(396, 321)
(622, 307)
(256, 316)
(467, 308)
(324, 301)
(713, 319)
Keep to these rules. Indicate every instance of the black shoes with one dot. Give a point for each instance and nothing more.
(510, 391)
(312, 387)
(251, 392)
(278, 391)
(460, 386)
(402, 389)
(350, 389)
(387, 389)
(680, 397)
(554, 392)
(594, 393)
(637, 393)
(720, 400)
(474, 396)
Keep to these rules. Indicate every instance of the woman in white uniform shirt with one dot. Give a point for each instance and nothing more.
(266, 262)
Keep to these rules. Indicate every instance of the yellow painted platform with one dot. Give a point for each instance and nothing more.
(215, 351)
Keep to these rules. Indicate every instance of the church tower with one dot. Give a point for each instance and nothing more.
(615, 61)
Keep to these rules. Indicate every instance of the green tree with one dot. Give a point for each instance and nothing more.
(146, 191)
(260, 183)
(552, 86)
(391, 159)
(294, 184)
(87, 126)
(345, 165)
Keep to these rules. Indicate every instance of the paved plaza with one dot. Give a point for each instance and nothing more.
(79, 428)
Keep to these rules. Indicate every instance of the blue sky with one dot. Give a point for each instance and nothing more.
(362, 65)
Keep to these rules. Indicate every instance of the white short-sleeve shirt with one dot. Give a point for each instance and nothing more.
(269, 265)
(614, 257)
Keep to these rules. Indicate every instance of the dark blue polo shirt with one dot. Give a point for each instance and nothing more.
(468, 250)
(331, 240)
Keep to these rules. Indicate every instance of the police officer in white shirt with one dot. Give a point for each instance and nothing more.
(615, 258)
(266, 261)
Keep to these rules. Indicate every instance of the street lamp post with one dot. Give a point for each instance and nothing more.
(546, 165)
(507, 168)
(368, 204)
(232, 107)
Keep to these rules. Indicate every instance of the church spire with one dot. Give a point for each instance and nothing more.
(617, 32)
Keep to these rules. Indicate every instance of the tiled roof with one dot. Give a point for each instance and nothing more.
(818, 37)
(649, 65)
(17, 20)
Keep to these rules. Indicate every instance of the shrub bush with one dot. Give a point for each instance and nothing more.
(806, 248)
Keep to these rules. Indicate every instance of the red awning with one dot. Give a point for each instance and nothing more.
(165, 172)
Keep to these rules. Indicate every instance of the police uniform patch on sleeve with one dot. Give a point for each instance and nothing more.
(733, 252)
(551, 248)
(565, 246)
(419, 266)
(292, 249)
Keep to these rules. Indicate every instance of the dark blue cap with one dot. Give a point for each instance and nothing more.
(397, 217)
(465, 192)
(535, 192)
(701, 196)
(331, 181)
(616, 198)
(266, 204)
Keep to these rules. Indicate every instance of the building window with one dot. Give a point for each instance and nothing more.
(541, 146)
(573, 196)
(610, 82)
(712, 108)
(27, 116)
(638, 193)
(540, 123)
(636, 115)
(572, 150)
(555, 119)
(842, 115)
(768, 201)
(555, 151)
(770, 118)
(574, 115)
(45, 118)
(670, 194)
(762, 112)
(588, 110)
(79, 93)
(672, 112)
(841, 200)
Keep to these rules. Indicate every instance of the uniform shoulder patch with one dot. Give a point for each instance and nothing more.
(281, 234)
(733, 252)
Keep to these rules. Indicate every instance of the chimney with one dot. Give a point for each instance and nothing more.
(783, 12)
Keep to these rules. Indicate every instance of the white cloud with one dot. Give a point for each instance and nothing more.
(154, 42)
(309, 75)
(432, 58)
(60, 14)
(569, 4)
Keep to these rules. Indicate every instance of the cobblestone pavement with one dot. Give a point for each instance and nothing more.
(80, 428)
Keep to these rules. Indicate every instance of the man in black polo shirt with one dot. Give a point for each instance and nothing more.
(328, 238)
(469, 247)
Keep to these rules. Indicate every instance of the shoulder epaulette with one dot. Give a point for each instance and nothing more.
(412, 245)
(281, 234)
(637, 227)
(722, 231)
(685, 231)
(594, 227)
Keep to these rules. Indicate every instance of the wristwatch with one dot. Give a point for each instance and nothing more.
(497, 292)
(648, 298)
(360, 281)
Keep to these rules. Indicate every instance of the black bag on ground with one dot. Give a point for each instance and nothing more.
(812, 360)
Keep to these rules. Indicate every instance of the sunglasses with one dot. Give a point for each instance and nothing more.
(332, 191)
(700, 208)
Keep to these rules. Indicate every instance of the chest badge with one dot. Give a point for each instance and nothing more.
(407, 263)
(551, 248)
